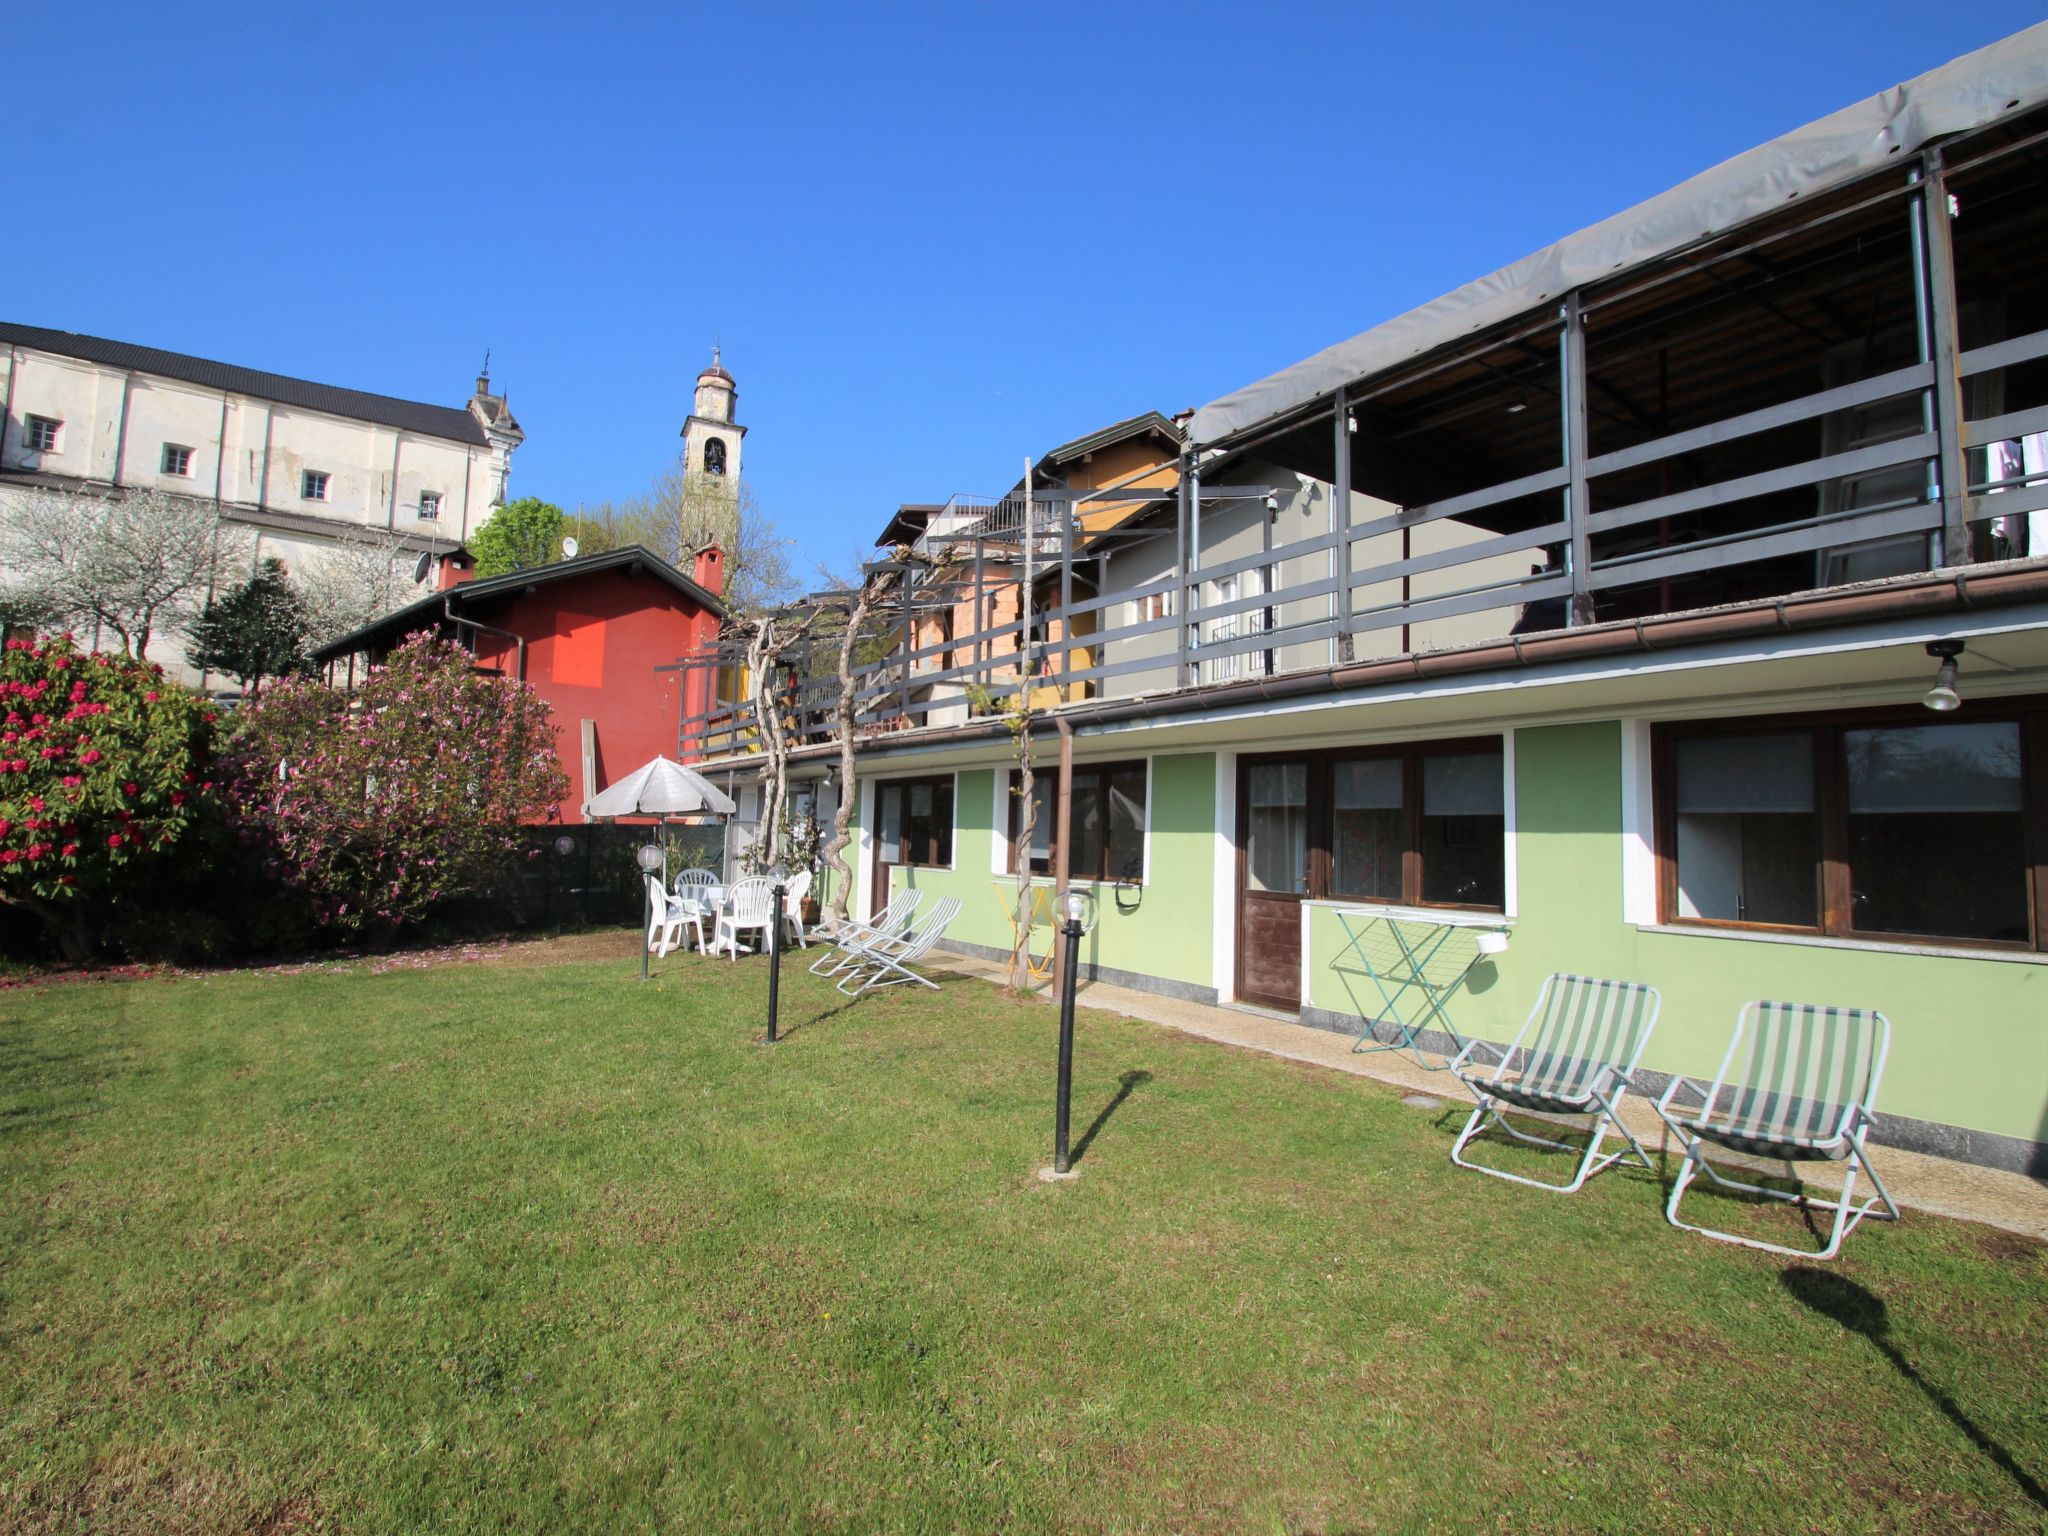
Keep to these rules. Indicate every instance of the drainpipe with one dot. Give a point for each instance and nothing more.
(121, 432)
(448, 610)
(7, 411)
(1062, 827)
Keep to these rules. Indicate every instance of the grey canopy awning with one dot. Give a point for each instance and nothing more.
(2008, 77)
(663, 787)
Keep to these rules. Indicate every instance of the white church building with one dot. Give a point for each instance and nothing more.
(302, 466)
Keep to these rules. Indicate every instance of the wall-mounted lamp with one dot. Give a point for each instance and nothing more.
(1272, 502)
(1350, 423)
(1943, 696)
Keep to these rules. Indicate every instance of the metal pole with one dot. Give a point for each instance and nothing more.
(1180, 576)
(1024, 599)
(775, 958)
(1067, 512)
(646, 917)
(1936, 278)
(1579, 558)
(1340, 526)
(1071, 931)
(1062, 832)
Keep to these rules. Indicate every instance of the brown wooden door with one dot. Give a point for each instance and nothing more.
(1272, 879)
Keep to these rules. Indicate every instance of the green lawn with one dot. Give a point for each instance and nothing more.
(527, 1245)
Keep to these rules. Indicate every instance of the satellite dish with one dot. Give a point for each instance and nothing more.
(568, 549)
(419, 566)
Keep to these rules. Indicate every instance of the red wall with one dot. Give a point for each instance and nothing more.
(593, 643)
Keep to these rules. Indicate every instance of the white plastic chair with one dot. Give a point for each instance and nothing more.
(693, 888)
(750, 907)
(793, 905)
(665, 918)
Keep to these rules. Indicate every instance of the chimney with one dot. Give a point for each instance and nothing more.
(455, 567)
(709, 570)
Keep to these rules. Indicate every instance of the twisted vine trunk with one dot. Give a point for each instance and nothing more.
(834, 855)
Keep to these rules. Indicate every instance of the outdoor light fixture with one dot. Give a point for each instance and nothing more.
(649, 857)
(1077, 914)
(1272, 502)
(1943, 696)
(565, 845)
(1077, 906)
(1350, 423)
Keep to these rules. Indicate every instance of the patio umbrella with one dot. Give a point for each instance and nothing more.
(662, 787)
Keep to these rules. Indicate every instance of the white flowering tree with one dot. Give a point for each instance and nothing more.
(131, 562)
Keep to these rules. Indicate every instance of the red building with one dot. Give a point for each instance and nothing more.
(587, 635)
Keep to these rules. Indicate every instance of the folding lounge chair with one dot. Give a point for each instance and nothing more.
(886, 962)
(1578, 1048)
(847, 940)
(1804, 1093)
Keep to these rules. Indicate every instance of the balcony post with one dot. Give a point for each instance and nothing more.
(1340, 528)
(1572, 397)
(1935, 278)
(1066, 515)
(980, 621)
(1190, 493)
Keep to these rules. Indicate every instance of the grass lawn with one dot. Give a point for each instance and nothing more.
(526, 1245)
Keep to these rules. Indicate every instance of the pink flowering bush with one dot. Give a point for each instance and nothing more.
(378, 806)
(103, 770)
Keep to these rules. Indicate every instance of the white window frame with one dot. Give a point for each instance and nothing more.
(314, 484)
(430, 506)
(183, 469)
(32, 431)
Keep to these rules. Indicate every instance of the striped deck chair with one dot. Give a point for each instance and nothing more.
(1577, 1048)
(886, 961)
(1803, 1093)
(847, 940)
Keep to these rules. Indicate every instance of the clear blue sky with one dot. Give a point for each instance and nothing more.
(932, 240)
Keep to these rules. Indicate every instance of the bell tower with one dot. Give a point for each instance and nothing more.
(712, 436)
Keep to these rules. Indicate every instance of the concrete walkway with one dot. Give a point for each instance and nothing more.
(2011, 1201)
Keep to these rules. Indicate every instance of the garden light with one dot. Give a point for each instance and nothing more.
(650, 858)
(1076, 907)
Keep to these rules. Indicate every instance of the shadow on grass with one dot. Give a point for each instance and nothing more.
(1129, 1083)
(784, 1030)
(1842, 1300)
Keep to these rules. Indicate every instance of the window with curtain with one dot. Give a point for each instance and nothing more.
(1887, 824)
(1108, 814)
(1423, 824)
(915, 822)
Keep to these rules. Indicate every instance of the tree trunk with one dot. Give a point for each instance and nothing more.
(66, 921)
(834, 855)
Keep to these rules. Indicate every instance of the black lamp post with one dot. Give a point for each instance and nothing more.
(775, 921)
(650, 858)
(565, 848)
(1077, 916)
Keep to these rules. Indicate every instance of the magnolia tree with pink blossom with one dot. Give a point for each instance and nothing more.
(102, 767)
(380, 804)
